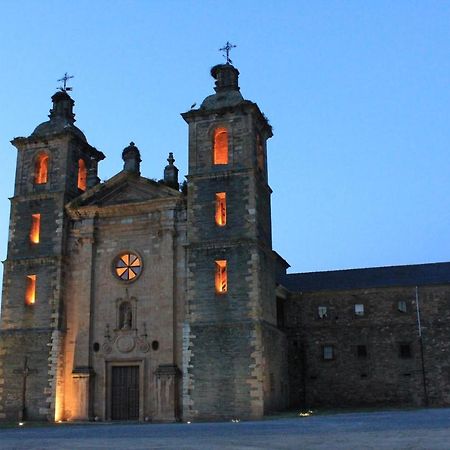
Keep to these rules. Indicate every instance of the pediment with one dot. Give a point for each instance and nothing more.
(124, 189)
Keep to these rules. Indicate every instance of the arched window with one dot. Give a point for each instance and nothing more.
(125, 316)
(82, 174)
(41, 169)
(220, 146)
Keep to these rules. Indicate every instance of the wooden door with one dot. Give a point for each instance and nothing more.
(125, 393)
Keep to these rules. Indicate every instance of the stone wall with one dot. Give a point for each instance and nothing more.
(377, 356)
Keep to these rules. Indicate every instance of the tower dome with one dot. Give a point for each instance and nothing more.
(61, 117)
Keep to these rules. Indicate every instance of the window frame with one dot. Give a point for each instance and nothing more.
(220, 209)
(328, 356)
(37, 168)
(221, 272)
(128, 266)
(218, 159)
(361, 312)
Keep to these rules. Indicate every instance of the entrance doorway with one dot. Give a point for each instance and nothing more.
(125, 393)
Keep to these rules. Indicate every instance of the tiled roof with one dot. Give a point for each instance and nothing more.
(373, 277)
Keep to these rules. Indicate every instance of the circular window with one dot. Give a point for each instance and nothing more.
(127, 266)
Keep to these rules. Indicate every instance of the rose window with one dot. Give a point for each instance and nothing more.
(127, 266)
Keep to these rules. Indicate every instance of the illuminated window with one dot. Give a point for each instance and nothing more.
(221, 276)
(221, 209)
(35, 228)
(402, 306)
(41, 169)
(259, 153)
(82, 174)
(359, 309)
(127, 266)
(30, 291)
(220, 146)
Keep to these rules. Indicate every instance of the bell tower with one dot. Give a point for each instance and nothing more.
(234, 351)
(55, 164)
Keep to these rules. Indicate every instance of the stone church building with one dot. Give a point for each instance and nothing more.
(133, 299)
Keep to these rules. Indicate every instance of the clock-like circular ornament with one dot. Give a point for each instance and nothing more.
(127, 266)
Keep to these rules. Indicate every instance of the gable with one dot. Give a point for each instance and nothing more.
(124, 189)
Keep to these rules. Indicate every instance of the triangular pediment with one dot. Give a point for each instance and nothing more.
(125, 189)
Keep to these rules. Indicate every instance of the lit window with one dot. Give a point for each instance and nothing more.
(328, 352)
(41, 169)
(127, 266)
(359, 310)
(220, 146)
(221, 277)
(322, 311)
(30, 290)
(361, 351)
(259, 153)
(221, 209)
(82, 174)
(35, 228)
(402, 306)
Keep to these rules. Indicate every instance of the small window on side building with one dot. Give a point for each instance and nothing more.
(322, 312)
(328, 352)
(361, 351)
(359, 309)
(405, 351)
(402, 306)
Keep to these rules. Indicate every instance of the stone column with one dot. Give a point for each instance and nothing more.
(82, 371)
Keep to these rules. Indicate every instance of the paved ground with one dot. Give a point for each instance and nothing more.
(418, 429)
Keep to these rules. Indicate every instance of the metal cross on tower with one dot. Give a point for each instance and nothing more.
(64, 79)
(25, 372)
(226, 51)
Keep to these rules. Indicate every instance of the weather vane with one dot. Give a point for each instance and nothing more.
(226, 51)
(64, 79)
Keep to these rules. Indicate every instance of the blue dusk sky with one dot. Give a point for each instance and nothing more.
(357, 92)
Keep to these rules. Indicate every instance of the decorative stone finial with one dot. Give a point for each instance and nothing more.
(226, 76)
(171, 173)
(132, 159)
(62, 108)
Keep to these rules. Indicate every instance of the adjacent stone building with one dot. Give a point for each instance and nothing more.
(141, 300)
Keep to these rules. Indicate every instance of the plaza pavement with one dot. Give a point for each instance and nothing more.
(426, 429)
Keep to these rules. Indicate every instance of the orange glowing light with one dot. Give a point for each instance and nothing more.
(128, 266)
(221, 209)
(221, 276)
(220, 146)
(82, 175)
(41, 169)
(30, 292)
(35, 228)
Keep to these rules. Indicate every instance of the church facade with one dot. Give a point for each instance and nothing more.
(133, 299)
